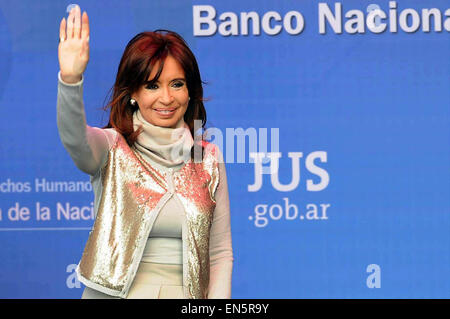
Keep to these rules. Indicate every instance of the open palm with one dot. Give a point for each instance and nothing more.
(73, 49)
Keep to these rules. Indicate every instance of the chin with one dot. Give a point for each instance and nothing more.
(166, 122)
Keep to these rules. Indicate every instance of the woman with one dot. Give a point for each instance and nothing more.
(162, 226)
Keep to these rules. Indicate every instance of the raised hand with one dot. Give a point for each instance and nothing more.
(73, 49)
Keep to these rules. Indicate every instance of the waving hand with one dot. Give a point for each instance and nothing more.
(73, 49)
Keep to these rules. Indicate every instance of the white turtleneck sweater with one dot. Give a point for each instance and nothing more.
(89, 146)
(163, 145)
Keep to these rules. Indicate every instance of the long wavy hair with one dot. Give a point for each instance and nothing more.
(140, 56)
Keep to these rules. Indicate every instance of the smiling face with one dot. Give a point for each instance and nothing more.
(164, 102)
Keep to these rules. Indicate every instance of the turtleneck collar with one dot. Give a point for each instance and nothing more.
(165, 145)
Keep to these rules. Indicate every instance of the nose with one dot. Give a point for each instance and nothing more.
(166, 96)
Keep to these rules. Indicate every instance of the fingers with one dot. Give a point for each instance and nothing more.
(62, 30)
(84, 26)
(77, 23)
(85, 52)
(70, 21)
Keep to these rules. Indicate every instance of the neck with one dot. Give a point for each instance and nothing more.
(169, 146)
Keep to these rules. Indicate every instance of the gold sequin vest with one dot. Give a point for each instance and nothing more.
(133, 193)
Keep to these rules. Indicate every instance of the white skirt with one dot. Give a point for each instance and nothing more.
(152, 281)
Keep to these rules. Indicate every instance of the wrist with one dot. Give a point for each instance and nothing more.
(70, 79)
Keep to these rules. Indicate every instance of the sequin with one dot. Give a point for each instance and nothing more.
(133, 194)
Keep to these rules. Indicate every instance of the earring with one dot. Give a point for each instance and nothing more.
(133, 102)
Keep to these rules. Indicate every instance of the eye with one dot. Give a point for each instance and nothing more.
(178, 84)
(151, 86)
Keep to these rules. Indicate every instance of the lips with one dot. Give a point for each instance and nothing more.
(165, 112)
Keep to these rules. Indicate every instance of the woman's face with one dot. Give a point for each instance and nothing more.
(164, 102)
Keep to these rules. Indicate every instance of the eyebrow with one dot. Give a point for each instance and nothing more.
(176, 79)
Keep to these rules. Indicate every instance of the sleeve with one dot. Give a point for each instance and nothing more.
(87, 146)
(220, 246)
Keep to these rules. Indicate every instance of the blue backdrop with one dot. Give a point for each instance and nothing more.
(360, 209)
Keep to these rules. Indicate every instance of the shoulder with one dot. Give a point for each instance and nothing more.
(111, 133)
(213, 159)
(111, 136)
(211, 150)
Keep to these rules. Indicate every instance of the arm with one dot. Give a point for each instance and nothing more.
(88, 146)
(220, 246)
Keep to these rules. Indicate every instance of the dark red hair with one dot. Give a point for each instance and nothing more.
(140, 56)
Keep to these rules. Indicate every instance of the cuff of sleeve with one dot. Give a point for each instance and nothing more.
(70, 84)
